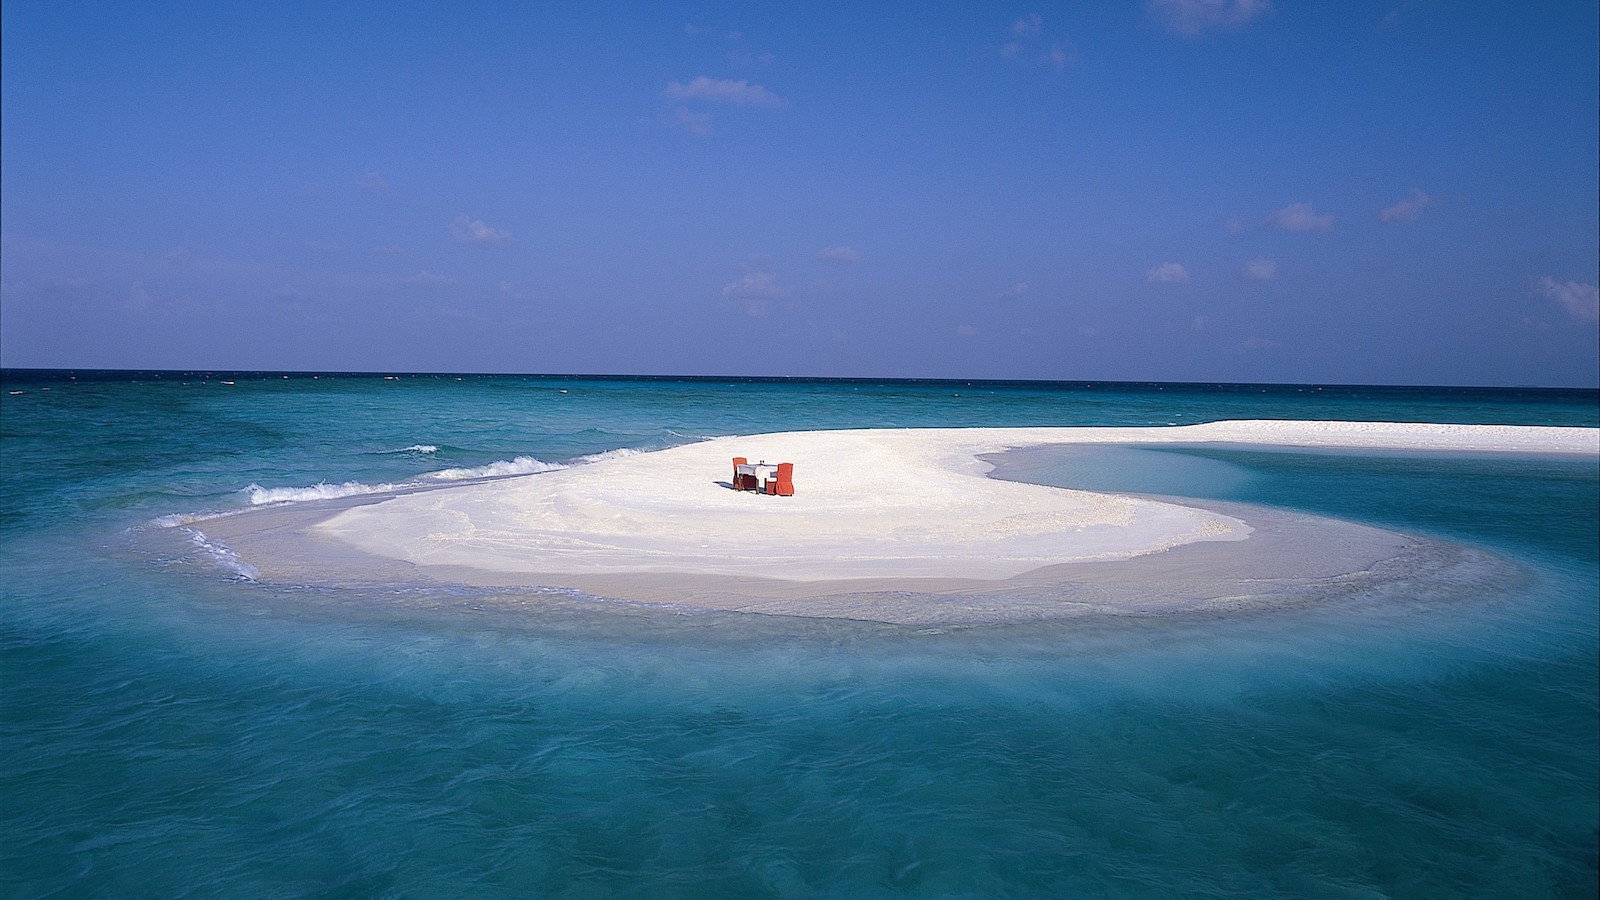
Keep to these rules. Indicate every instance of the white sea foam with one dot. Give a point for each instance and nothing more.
(618, 453)
(522, 465)
(322, 490)
(416, 448)
(178, 520)
(222, 555)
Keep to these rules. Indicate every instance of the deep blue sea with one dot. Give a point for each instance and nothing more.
(169, 727)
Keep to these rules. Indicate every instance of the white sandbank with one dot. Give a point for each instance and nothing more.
(895, 526)
(869, 504)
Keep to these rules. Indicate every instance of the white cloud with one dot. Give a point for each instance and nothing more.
(1018, 289)
(1581, 300)
(1259, 269)
(840, 253)
(474, 231)
(511, 290)
(1167, 273)
(1027, 33)
(430, 279)
(692, 122)
(1259, 343)
(1192, 18)
(966, 330)
(1233, 225)
(1297, 217)
(754, 291)
(372, 183)
(1199, 323)
(1406, 210)
(739, 56)
(723, 90)
(755, 284)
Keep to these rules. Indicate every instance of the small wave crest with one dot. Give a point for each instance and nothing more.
(522, 465)
(178, 520)
(322, 490)
(222, 555)
(618, 453)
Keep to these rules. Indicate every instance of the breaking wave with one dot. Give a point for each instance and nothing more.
(320, 491)
(323, 490)
(522, 465)
(610, 454)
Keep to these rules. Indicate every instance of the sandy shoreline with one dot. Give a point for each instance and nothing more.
(887, 525)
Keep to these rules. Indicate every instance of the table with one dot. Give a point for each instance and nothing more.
(754, 471)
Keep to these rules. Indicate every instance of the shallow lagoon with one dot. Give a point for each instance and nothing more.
(170, 727)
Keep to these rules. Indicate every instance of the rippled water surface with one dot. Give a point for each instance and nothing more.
(168, 726)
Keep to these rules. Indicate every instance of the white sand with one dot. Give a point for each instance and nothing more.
(869, 504)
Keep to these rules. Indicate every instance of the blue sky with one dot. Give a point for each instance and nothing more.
(1399, 192)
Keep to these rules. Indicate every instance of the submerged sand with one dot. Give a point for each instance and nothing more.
(887, 525)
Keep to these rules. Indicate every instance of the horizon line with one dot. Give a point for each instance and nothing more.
(109, 373)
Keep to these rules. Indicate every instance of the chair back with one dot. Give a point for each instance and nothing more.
(785, 480)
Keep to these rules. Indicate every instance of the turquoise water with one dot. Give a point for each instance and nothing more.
(171, 727)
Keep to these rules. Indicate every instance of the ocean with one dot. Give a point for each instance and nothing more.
(169, 726)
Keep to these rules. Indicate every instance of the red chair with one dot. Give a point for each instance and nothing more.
(782, 484)
(742, 482)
